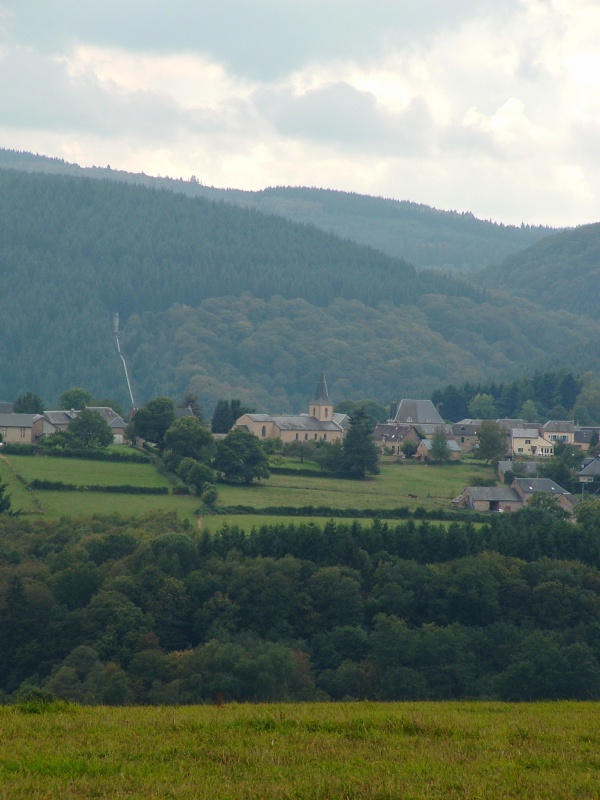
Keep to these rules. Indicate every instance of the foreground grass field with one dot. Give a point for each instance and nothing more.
(348, 750)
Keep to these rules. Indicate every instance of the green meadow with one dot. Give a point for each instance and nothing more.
(433, 488)
(311, 751)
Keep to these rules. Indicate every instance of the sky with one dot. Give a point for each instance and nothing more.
(485, 106)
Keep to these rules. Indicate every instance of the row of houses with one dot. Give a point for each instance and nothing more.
(31, 428)
(415, 420)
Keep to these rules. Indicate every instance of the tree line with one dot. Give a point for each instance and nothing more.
(116, 610)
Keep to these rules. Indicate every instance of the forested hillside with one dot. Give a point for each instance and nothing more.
(118, 611)
(424, 236)
(560, 272)
(230, 302)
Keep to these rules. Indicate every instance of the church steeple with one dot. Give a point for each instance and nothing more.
(321, 406)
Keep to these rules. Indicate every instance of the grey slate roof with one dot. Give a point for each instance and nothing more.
(17, 420)
(525, 433)
(110, 416)
(558, 426)
(531, 485)
(466, 427)
(392, 433)
(59, 417)
(529, 467)
(506, 423)
(297, 422)
(502, 494)
(450, 444)
(322, 395)
(418, 411)
(584, 435)
(591, 469)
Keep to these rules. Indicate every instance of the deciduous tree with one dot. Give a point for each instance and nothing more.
(492, 441)
(152, 421)
(89, 429)
(240, 458)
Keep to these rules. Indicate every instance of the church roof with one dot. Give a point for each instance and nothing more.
(322, 395)
(298, 422)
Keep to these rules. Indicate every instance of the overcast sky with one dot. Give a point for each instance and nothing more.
(489, 106)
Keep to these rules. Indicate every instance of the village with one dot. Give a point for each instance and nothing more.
(414, 432)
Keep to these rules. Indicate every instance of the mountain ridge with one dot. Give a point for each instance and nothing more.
(424, 236)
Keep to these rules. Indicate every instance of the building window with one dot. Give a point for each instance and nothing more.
(316, 436)
(527, 441)
(324, 437)
(264, 431)
(297, 437)
(22, 433)
(314, 412)
(520, 450)
(462, 439)
(326, 411)
(305, 436)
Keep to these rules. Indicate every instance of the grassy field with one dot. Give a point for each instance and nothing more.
(433, 487)
(86, 473)
(314, 751)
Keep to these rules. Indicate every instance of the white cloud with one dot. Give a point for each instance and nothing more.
(492, 107)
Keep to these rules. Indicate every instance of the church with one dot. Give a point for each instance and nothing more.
(320, 424)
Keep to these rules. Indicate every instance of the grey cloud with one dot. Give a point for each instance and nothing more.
(37, 93)
(339, 114)
(259, 38)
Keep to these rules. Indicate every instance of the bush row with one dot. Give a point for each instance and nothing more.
(12, 448)
(302, 471)
(60, 486)
(352, 513)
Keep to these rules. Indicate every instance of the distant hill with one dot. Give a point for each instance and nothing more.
(229, 302)
(424, 236)
(560, 272)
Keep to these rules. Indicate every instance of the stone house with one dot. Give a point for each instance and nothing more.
(17, 428)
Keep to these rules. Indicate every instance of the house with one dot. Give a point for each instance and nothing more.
(527, 487)
(529, 468)
(392, 436)
(466, 434)
(424, 450)
(590, 471)
(514, 497)
(582, 437)
(529, 442)
(17, 428)
(321, 424)
(417, 413)
(114, 421)
(50, 422)
(558, 430)
(489, 498)
(54, 421)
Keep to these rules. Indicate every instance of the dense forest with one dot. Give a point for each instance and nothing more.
(229, 302)
(554, 395)
(114, 610)
(559, 272)
(424, 236)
